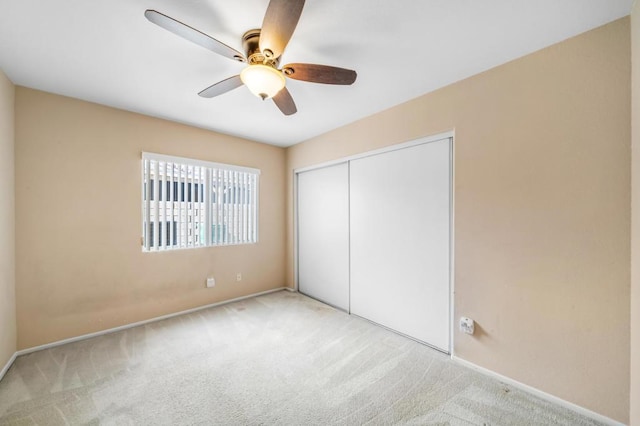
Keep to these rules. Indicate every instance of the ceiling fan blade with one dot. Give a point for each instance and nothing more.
(193, 35)
(278, 25)
(320, 73)
(284, 101)
(221, 87)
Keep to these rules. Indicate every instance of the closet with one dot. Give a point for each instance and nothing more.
(374, 237)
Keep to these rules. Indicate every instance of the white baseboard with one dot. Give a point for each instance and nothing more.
(540, 394)
(136, 324)
(8, 365)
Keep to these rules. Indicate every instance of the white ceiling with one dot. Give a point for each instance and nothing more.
(105, 51)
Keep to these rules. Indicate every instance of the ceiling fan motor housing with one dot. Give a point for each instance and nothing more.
(251, 45)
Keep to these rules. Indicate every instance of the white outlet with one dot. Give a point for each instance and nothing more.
(238, 276)
(211, 282)
(467, 325)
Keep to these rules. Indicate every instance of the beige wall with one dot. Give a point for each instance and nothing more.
(635, 208)
(542, 222)
(7, 223)
(79, 265)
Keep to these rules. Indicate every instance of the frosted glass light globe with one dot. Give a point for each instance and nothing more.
(262, 80)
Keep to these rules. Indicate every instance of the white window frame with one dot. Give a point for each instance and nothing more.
(189, 183)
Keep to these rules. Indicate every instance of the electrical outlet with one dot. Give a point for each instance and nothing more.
(211, 282)
(467, 325)
(238, 276)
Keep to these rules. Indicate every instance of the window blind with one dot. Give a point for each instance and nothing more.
(188, 203)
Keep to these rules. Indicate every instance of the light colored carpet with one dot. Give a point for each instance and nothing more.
(277, 359)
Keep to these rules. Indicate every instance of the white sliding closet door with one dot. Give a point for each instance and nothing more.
(400, 219)
(323, 234)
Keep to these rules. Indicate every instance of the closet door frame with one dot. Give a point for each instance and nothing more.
(420, 141)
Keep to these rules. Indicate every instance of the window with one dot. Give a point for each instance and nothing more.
(190, 203)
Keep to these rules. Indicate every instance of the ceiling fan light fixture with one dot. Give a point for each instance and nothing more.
(262, 80)
(263, 48)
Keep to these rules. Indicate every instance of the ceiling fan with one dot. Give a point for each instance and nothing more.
(263, 48)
